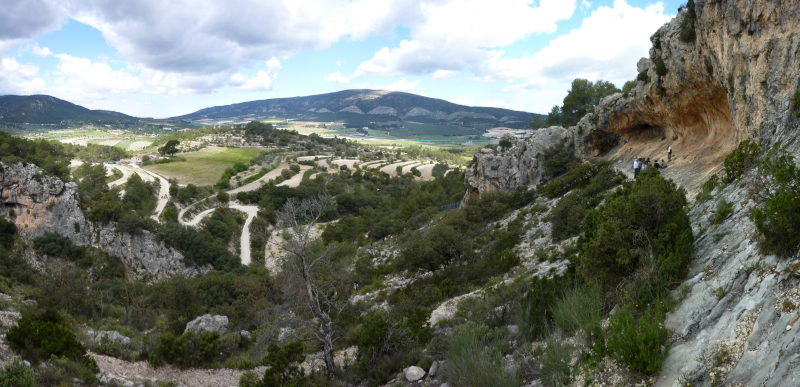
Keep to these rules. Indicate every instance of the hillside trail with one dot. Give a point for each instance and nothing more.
(260, 182)
(295, 180)
(251, 211)
(163, 192)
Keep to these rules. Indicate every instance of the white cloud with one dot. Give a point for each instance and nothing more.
(41, 51)
(17, 78)
(403, 85)
(339, 63)
(262, 81)
(337, 77)
(586, 52)
(454, 35)
(443, 74)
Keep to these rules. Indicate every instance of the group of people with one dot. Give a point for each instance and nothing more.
(640, 164)
(165, 197)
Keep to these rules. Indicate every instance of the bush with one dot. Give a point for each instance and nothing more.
(627, 88)
(556, 358)
(17, 374)
(474, 362)
(660, 66)
(223, 197)
(7, 231)
(188, 350)
(283, 368)
(724, 209)
(40, 335)
(534, 315)
(779, 223)
(579, 175)
(740, 160)
(286, 174)
(581, 308)
(638, 345)
(796, 103)
(688, 34)
(643, 77)
(647, 216)
(557, 158)
(506, 142)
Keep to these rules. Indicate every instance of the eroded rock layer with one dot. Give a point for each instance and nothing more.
(735, 82)
(39, 204)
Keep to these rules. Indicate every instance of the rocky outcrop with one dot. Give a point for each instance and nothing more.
(737, 320)
(506, 169)
(735, 82)
(351, 109)
(383, 110)
(40, 204)
(208, 323)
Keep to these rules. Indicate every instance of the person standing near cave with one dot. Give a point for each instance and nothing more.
(669, 153)
(637, 166)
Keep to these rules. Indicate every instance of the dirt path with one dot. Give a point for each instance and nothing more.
(372, 163)
(391, 169)
(163, 192)
(348, 162)
(407, 168)
(198, 377)
(251, 212)
(126, 174)
(427, 171)
(258, 183)
(296, 179)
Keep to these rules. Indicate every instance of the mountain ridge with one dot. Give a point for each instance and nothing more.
(42, 109)
(364, 102)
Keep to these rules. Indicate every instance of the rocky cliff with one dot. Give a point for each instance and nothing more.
(519, 165)
(39, 204)
(734, 82)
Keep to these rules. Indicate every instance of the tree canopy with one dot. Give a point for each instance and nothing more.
(170, 148)
(582, 97)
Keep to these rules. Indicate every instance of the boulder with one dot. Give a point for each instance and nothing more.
(434, 368)
(413, 373)
(114, 337)
(208, 323)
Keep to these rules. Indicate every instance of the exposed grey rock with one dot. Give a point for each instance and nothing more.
(383, 110)
(434, 368)
(247, 335)
(43, 204)
(513, 330)
(323, 110)
(285, 333)
(113, 336)
(208, 323)
(351, 109)
(517, 166)
(643, 64)
(418, 111)
(414, 373)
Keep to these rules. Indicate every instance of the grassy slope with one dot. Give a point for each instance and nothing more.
(206, 166)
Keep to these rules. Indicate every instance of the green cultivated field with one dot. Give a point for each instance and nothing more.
(204, 167)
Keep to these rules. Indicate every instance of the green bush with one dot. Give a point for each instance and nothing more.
(473, 361)
(724, 209)
(283, 366)
(660, 66)
(643, 77)
(42, 334)
(188, 350)
(779, 223)
(646, 216)
(740, 160)
(581, 308)
(627, 88)
(638, 345)
(708, 187)
(557, 158)
(534, 315)
(7, 231)
(17, 374)
(555, 360)
(688, 34)
(796, 103)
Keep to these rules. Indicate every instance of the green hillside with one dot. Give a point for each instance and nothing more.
(17, 110)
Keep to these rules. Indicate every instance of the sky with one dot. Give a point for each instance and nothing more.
(155, 58)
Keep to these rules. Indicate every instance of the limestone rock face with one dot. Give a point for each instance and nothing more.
(734, 83)
(42, 204)
(208, 323)
(506, 169)
(113, 336)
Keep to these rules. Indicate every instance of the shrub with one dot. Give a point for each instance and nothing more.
(40, 335)
(688, 34)
(17, 374)
(796, 103)
(643, 77)
(740, 160)
(556, 358)
(779, 223)
(283, 368)
(223, 197)
(645, 216)
(286, 174)
(627, 87)
(708, 187)
(724, 209)
(577, 175)
(7, 231)
(506, 142)
(557, 158)
(660, 66)
(189, 349)
(474, 362)
(581, 308)
(638, 345)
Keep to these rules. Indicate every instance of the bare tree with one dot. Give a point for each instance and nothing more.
(312, 271)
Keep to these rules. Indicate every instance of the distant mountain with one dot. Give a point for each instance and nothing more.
(47, 110)
(361, 105)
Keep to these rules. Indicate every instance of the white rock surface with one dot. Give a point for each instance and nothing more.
(414, 373)
(208, 323)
